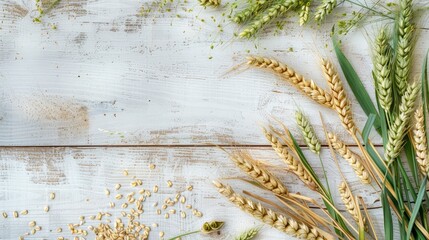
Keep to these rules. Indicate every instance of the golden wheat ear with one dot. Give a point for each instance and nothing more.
(308, 87)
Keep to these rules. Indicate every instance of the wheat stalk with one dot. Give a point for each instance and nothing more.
(304, 12)
(341, 102)
(420, 142)
(250, 11)
(399, 126)
(352, 158)
(324, 9)
(404, 45)
(248, 234)
(259, 173)
(308, 87)
(294, 165)
(268, 216)
(206, 3)
(382, 69)
(271, 13)
(308, 132)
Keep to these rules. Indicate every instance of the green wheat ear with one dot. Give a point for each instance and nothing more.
(324, 9)
(266, 17)
(400, 124)
(382, 69)
(307, 132)
(404, 45)
(248, 234)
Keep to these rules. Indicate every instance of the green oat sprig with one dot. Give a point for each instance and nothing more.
(269, 15)
(382, 69)
(405, 30)
(308, 132)
(324, 9)
(400, 124)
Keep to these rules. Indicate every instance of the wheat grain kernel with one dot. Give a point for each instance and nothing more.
(183, 199)
(112, 204)
(161, 234)
(118, 196)
(117, 186)
(124, 205)
(189, 206)
(155, 189)
(158, 211)
(166, 215)
(24, 212)
(107, 192)
(32, 224)
(125, 172)
(152, 166)
(182, 214)
(46, 208)
(33, 231)
(154, 225)
(169, 183)
(59, 229)
(15, 214)
(21, 238)
(52, 196)
(4, 215)
(190, 188)
(38, 228)
(172, 211)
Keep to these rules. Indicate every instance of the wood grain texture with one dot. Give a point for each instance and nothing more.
(79, 176)
(150, 78)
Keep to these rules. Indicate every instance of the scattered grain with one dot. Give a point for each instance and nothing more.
(46, 208)
(169, 183)
(125, 172)
(15, 214)
(24, 212)
(32, 224)
(52, 196)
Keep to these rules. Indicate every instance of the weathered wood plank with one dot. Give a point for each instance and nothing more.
(79, 176)
(150, 78)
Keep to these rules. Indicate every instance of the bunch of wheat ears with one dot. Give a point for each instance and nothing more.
(400, 173)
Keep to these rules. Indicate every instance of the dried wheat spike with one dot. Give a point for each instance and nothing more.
(347, 198)
(420, 142)
(308, 87)
(352, 158)
(268, 216)
(294, 165)
(259, 173)
(341, 102)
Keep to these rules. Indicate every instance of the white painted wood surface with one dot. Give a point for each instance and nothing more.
(79, 176)
(125, 87)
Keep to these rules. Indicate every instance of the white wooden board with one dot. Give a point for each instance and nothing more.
(78, 176)
(105, 67)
